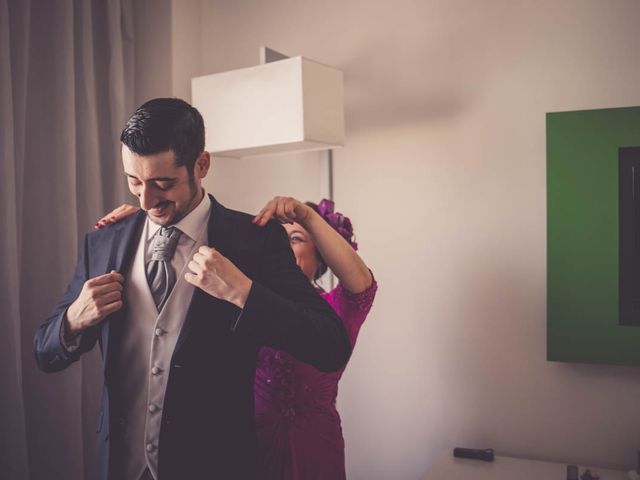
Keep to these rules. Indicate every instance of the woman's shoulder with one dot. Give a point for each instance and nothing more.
(361, 301)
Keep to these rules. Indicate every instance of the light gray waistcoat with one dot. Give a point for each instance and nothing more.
(140, 358)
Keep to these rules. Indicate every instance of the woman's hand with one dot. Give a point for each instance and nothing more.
(120, 213)
(285, 209)
(337, 253)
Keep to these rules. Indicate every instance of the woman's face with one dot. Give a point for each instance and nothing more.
(303, 248)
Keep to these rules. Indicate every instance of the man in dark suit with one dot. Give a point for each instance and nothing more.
(180, 297)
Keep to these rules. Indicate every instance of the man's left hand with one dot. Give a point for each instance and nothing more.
(218, 276)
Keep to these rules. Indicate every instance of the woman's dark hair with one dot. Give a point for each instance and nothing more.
(164, 124)
(322, 266)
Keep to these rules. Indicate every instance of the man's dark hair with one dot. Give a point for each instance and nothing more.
(164, 124)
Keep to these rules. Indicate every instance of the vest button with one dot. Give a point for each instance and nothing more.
(152, 408)
(155, 370)
(150, 447)
(159, 332)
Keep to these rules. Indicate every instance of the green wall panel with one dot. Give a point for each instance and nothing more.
(582, 236)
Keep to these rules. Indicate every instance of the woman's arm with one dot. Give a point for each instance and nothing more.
(340, 257)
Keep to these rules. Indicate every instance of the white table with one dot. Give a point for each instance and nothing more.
(447, 467)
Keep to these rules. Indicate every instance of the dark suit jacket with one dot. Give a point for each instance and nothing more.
(208, 420)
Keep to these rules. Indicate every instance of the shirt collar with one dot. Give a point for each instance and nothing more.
(190, 225)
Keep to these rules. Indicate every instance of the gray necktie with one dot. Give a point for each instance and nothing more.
(160, 273)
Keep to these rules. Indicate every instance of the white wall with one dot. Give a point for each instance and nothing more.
(153, 65)
(186, 46)
(444, 178)
(247, 184)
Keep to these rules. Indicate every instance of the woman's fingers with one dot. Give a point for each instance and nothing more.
(115, 215)
(264, 215)
(280, 212)
(282, 208)
(290, 208)
(285, 209)
(267, 212)
(123, 211)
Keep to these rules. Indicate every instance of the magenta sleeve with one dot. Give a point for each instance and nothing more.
(352, 308)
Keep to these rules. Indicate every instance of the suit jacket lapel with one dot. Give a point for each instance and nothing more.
(218, 235)
(122, 246)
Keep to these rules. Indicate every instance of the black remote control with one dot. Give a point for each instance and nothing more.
(474, 453)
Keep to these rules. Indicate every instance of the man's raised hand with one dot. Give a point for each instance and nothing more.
(99, 297)
(218, 276)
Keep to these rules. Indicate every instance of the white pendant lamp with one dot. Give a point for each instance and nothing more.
(283, 105)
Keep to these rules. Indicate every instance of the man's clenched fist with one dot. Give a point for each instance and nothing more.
(99, 297)
(216, 275)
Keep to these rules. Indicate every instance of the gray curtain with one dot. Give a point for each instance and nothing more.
(66, 89)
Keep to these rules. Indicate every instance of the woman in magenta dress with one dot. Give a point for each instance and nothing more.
(298, 427)
(297, 424)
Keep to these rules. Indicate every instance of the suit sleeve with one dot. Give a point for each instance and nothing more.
(283, 310)
(51, 355)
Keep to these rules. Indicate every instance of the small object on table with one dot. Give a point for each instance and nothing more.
(590, 475)
(474, 453)
(572, 472)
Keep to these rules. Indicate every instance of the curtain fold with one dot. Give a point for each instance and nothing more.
(66, 89)
(13, 442)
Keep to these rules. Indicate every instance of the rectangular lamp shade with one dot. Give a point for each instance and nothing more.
(289, 105)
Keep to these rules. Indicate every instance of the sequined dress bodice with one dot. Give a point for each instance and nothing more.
(297, 424)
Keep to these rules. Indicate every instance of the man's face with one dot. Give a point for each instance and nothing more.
(166, 192)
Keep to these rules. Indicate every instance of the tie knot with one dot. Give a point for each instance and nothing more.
(164, 243)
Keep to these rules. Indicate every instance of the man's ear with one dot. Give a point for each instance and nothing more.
(203, 162)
